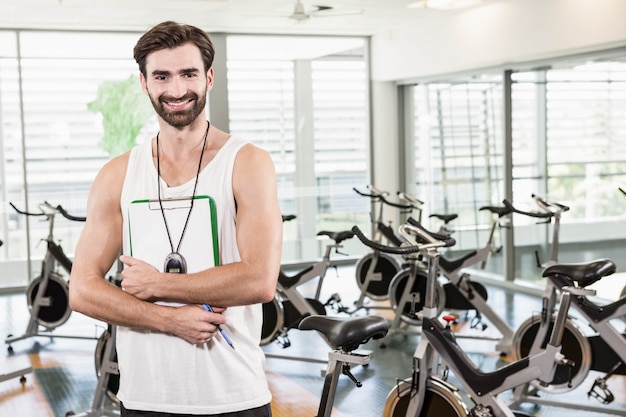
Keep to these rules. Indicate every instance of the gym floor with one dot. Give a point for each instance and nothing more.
(64, 377)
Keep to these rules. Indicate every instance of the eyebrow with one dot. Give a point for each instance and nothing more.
(183, 71)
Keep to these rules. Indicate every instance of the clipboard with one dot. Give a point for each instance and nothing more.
(148, 240)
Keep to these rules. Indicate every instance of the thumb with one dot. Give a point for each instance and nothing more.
(127, 260)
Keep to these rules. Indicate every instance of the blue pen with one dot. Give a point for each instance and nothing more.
(222, 331)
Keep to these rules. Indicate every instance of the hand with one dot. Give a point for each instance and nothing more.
(195, 325)
(139, 278)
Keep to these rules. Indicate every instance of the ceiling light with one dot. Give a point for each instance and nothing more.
(443, 4)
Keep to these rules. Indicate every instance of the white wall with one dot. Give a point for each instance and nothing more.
(506, 31)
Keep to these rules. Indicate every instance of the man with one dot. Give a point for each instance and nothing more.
(176, 354)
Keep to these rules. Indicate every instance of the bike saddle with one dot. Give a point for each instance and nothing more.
(337, 236)
(346, 333)
(499, 210)
(583, 273)
(445, 217)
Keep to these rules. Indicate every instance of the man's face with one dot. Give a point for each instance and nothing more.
(177, 84)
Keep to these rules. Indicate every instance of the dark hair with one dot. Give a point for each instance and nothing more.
(168, 35)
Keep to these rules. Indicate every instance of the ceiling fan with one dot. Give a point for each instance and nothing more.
(301, 12)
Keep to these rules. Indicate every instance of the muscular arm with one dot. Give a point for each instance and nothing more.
(259, 238)
(97, 249)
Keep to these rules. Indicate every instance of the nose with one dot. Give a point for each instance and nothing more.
(177, 88)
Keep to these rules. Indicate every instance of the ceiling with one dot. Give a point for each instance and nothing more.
(344, 17)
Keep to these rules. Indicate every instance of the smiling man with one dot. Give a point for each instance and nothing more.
(189, 311)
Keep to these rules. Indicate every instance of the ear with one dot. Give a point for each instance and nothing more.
(209, 79)
(142, 80)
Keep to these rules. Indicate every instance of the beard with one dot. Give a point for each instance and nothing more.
(182, 118)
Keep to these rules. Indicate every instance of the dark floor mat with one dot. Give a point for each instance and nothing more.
(66, 389)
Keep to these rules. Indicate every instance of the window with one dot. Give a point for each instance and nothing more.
(568, 145)
(307, 104)
(458, 153)
(57, 152)
(51, 133)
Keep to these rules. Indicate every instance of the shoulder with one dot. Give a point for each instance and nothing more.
(253, 168)
(111, 175)
(249, 153)
(115, 167)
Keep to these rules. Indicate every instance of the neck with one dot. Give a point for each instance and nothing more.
(169, 155)
(186, 136)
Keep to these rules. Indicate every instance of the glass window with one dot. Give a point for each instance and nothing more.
(307, 104)
(458, 154)
(60, 92)
(56, 153)
(568, 146)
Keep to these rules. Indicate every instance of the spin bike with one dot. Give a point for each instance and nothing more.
(603, 351)
(289, 305)
(48, 295)
(459, 293)
(375, 270)
(427, 393)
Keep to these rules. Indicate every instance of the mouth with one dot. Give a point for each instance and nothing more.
(177, 104)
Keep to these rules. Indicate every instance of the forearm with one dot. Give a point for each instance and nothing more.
(224, 286)
(99, 299)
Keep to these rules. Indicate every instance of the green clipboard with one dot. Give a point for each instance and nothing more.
(148, 240)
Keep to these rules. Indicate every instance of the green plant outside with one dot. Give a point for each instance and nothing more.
(125, 109)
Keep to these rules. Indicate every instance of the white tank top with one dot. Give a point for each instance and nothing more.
(160, 372)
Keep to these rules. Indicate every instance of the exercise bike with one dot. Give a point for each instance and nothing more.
(289, 305)
(375, 270)
(427, 393)
(459, 292)
(47, 295)
(603, 351)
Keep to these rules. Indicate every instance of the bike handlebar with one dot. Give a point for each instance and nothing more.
(380, 195)
(428, 240)
(547, 205)
(375, 194)
(549, 208)
(26, 213)
(538, 214)
(414, 201)
(68, 216)
(397, 250)
(445, 239)
(58, 209)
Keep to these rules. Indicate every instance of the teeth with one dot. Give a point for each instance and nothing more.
(177, 103)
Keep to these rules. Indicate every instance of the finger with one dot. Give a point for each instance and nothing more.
(206, 339)
(127, 260)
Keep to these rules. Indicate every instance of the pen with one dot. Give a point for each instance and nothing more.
(222, 331)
